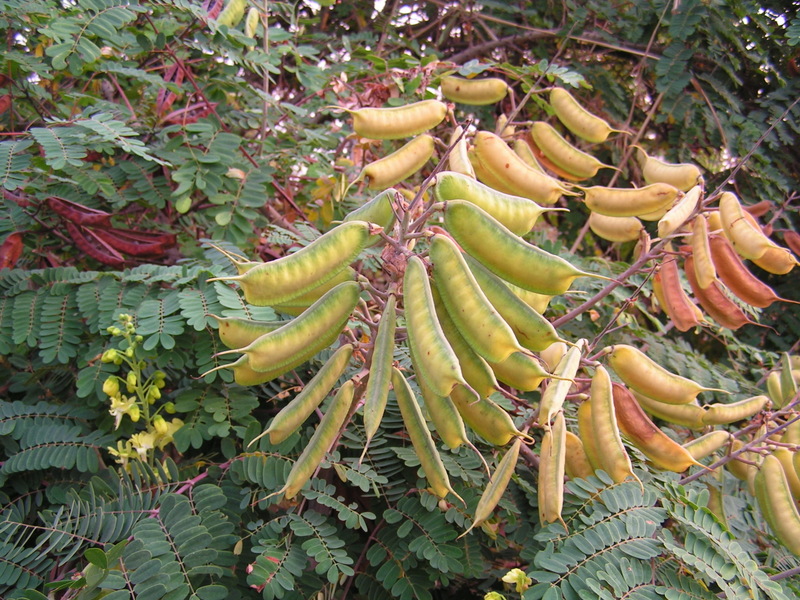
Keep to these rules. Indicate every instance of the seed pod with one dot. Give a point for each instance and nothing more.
(715, 302)
(576, 461)
(474, 92)
(533, 331)
(577, 119)
(747, 238)
(774, 388)
(475, 317)
(673, 299)
(380, 371)
(398, 165)
(775, 500)
(421, 438)
(497, 486)
(520, 179)
(557, 390)
(487, 177)
(235, 332)
(287, 278)
(524, 151)
(707, 444)
(705, 270)
(680, 213)
(683, 176)
(485, 418)
(743, 471)
(613, 457)
(438, 363)
(299, 305)
(552, 457)
(650, 379)
(508, 255)
(503, 129)
(615, 229)
(786, 457)
(577, 163)
(722, 414)
(232, 14)
(521, 371)
(459, 156)
(687, 415)
(322, 322)
(586, 433)
(320, 443)
(553, 354)
(251, 22)
(398, 122)
(518, 214)
(648, 202)
(378, 210)
(659, 448)
(476, 370)
(295, 413)
(737, 277)
(778, 261)
(445, 417)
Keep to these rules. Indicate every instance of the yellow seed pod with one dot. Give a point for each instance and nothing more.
(649, 202)
(683, 176)
(475, 92)
(577, 119)
(679, 214)
(400, 164)
(399, 121)
(615, 229)
(561, 153)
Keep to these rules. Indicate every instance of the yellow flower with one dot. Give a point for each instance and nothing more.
(166, 437)
(494, 596)
(519, 579)
(123, 452)
(143, 442)
(122, 405)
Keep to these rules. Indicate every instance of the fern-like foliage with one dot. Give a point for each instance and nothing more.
(707, 548)
(607, 551)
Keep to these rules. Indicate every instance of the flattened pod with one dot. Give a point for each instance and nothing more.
(722, 414)
(508, 255)
(613, 457)
(650, 379)
(704, 264)
(515, 212)
(707, 444)
(776, 500)
(377, 210)
(294, 414)
(485, 418)
(477, 320)
(517, 177)
(647, 202)
(673, 298)
(438, 363)
(687, 415)
(577, 119)
(497, 486)
(421, 438)
(615, 229)
(576, 463)
(287, 278)
(235, 332)
(658, 447)
(320, 443)
(683, 176)
(324, 320)
(680, 213)
(715, 301)
(746, 237)
(586, 433)
(398, 122)
(553, 397)
(401, 163)
(380, 371)
(552, 457)
(577, 163)
(459, 156)
(475, 92)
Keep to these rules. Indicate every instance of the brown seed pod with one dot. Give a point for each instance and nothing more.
(715, 302)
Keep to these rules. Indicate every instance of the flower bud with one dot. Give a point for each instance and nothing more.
(131, 379)
(109, 355)
(160, 425)
(111, 386)
(153, 392)
(133, 413)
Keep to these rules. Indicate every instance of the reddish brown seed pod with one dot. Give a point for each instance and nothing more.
(675, 301)
(78, 213)
(737, 277)
(137, 243)
(714, 301)
(95, 247)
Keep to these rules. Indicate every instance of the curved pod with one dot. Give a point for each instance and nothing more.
(561, 153)
(403, 162)
(399, 121)
(474, 92)
(577, 119)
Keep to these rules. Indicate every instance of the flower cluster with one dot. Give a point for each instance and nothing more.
(135, 395)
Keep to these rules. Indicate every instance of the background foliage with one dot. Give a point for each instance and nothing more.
(171, 129)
